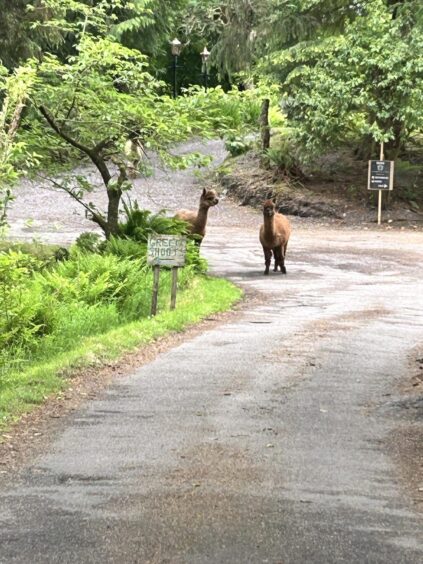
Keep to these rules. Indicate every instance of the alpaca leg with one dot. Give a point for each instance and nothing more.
(277, 253)
(282, 263)
(267, 259)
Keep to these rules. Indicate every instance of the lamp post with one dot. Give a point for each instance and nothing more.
(175, 47)
(204, 57)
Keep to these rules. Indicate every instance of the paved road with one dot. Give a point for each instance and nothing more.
(263, 440)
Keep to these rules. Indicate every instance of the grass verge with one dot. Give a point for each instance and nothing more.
(21, 391)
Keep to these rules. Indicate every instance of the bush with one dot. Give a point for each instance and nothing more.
(48, 306)
(126, 248)
(283, 156)
(87, 294)
(140, 224)
(91, 278)
(44, 254)
(236, 145)
(89, 241)
(19, 312)
(409, 182)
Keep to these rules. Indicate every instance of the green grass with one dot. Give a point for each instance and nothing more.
(43, 377)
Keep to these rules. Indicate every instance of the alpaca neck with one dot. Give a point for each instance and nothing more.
(269, 227)
(201, 220)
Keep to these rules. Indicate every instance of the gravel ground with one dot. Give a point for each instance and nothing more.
(47, 214)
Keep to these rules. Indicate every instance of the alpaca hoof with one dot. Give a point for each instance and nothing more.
(266, 273)
(283, 270)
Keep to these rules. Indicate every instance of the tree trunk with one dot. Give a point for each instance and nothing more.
(394, 146)
(264, 125)
(366, 150)
(114, 197)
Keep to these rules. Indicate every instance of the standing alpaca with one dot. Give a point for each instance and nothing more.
(198, 220)
(274, 236)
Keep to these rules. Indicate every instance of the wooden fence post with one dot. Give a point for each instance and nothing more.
(156, 273)
(174, 287)
(264, 124)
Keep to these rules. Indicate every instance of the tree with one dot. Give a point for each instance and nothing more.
(22, 32)
(228, 26)
(243, 32)
(364, 81)
(15, 90)
(149, 26)
(88, 107)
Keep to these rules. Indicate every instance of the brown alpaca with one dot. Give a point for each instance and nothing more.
(198, 220)
(274, 236)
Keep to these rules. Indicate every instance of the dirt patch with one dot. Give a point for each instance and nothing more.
(407, 441)
(314, 198)
(415, 385)
(406, 444)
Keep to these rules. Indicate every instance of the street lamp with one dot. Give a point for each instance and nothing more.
(204, 57)
(175, 47)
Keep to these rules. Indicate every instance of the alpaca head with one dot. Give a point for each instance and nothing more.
(209, 198)
(269, 208)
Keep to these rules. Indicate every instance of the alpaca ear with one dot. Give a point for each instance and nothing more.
(204, 192)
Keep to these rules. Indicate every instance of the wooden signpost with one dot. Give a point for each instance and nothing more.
(165, 250)
(381, 177)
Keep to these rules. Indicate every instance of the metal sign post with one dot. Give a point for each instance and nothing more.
(165, 250)
(381, 177)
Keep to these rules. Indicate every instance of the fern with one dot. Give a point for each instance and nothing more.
(141, 223)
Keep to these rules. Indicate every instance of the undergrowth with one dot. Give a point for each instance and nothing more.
(55, 314)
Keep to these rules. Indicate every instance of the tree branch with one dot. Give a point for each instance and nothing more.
(96, 216)
(52, 123)
(92, 153)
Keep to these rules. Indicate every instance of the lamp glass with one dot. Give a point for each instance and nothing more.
(176, 47)
(205, 54)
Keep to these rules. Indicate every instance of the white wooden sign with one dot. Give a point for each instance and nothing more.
(166, 250)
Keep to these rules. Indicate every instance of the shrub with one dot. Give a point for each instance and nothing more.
(91, 278)
(140, 223)
(409, 182)
(126, 248)
(283, 156)
(48, 306)
(19, 325)
(236, 145)
(44, 254)
(89, 242)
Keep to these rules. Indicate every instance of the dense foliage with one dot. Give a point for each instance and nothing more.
(365, 82)
(14, 89)
(346, 71)
(47, 305)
